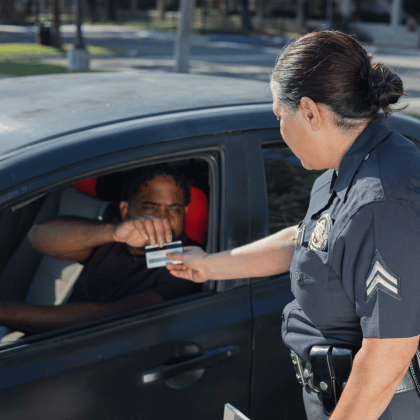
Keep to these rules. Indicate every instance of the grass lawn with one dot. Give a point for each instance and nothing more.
(28, 67)
(22, 50)
(21, 59)
(27, 49)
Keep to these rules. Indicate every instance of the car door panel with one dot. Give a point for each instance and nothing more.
(97, 373)
(277, 395)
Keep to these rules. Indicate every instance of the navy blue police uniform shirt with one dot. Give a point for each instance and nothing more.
(112, 273)
(358, 275)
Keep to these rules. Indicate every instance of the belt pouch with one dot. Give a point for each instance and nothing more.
(320, 357)
(331, 367)
(342, 360)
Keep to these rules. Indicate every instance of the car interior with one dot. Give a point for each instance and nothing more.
(27, 276)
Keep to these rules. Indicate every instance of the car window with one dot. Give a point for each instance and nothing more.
(48, 281)
(289, 186)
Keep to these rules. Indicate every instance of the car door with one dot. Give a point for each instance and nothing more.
(177, 360)
(287, 185)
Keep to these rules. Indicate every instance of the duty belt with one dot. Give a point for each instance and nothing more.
(328, 373)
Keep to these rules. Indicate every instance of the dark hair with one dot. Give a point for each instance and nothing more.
(333, 68)
(143, 175)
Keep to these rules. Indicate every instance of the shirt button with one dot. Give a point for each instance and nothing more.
(297, 277)
(366, 157)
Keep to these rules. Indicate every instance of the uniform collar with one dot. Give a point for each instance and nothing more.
(374, 134)
(332, 183)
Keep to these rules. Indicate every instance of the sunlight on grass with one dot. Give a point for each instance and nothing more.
(22, 50)
(27, 49)
(95, 50)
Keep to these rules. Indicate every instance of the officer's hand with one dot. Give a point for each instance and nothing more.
(144, 230)
(192, 267)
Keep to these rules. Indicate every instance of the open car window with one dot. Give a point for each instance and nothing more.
(42, 280)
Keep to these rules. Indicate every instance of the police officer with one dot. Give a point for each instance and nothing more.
(355, 323)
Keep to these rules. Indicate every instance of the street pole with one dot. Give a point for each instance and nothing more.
(183, 36)
(329, 14)
(78, 57)
(395, 14)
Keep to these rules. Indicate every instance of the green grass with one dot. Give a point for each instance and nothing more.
(22, 50)
(28, 67)
(95, 50)
(27, 49)
(414, 115)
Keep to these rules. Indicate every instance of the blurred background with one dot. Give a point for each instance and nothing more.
(237, 38)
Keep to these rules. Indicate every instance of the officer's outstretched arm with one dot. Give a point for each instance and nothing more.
(378, 369)
(266, 257)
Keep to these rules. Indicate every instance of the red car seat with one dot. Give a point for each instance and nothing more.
(196, 219)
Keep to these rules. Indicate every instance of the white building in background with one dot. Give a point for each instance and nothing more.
(393, 34)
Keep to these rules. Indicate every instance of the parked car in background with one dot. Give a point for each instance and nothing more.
(67, 142)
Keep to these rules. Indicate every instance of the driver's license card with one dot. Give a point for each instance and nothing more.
(156, 256)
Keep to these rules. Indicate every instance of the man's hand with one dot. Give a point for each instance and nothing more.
(144, 230)
(192, 267)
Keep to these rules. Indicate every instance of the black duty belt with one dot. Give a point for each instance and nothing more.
(328, 371)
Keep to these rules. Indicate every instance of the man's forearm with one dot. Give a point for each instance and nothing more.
(378, 369)
(34, 319)
(70, 237)
(266, 257)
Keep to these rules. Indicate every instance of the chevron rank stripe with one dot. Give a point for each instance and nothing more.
(382, 278)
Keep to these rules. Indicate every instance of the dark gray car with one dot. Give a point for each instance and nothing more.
(182, 359)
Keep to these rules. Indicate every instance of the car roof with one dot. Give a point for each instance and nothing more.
(39, 108)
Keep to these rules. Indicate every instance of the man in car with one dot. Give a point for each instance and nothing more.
(115, 278)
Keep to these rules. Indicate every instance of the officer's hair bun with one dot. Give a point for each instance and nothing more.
(385, 87)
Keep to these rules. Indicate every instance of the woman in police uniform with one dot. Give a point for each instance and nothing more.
(353, 260)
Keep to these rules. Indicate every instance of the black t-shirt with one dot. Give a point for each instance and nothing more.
(112, 273)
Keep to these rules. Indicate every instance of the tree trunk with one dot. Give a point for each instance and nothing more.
(56, 36)
(246, 21)
(133, 7)
(110, 10)
(261, 14)
(223, 11)
(92, 11)
(161, 6)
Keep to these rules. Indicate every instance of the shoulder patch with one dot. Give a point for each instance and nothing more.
(382, 278)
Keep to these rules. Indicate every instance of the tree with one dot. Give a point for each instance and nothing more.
(56, 36)
(412, 7)
(111, 10)
(246, 21)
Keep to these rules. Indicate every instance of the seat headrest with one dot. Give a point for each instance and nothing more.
(196, 219)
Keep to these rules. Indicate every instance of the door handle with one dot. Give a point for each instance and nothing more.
(210, 358)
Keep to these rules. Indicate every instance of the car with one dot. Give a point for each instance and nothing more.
(67, 142)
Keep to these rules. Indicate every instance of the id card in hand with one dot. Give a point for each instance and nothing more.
(156, 256)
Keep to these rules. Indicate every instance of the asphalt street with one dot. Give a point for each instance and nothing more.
(235, 56)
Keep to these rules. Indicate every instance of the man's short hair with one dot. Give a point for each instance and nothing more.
(143, 175)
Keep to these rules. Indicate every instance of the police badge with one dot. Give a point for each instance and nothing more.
(318, 240)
